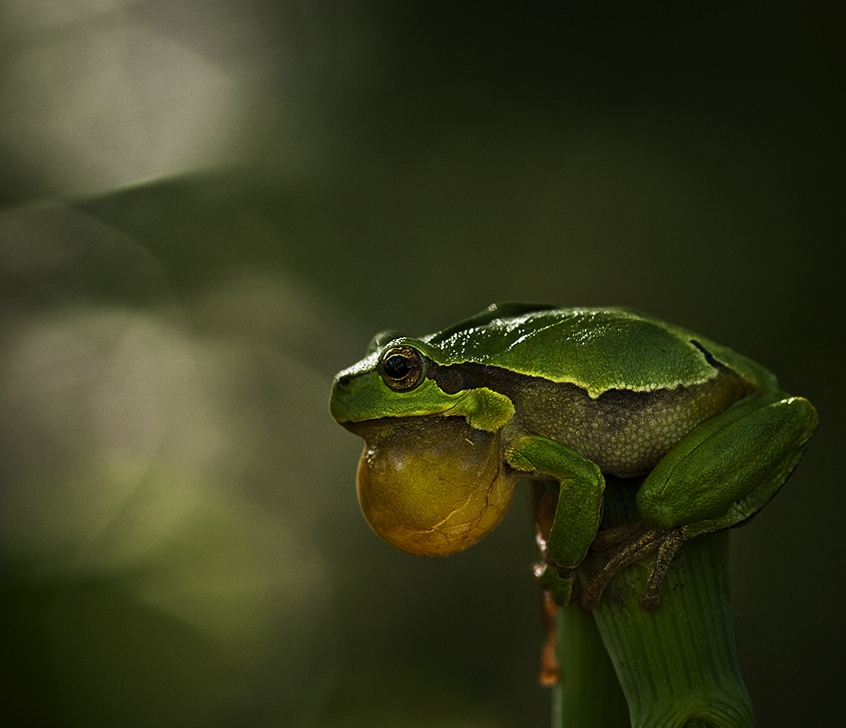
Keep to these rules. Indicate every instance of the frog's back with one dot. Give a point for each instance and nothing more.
(597, 349)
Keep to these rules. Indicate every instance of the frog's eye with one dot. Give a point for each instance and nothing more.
(401, 368)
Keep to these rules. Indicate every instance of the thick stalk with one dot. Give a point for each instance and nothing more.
(677, 665)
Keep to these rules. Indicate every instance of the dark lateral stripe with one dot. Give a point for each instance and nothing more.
(454, 378)
(469, 375)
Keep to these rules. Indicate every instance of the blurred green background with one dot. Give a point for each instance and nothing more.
(209, 206)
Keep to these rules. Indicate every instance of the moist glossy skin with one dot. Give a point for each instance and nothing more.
(453, 420)
(617, 386)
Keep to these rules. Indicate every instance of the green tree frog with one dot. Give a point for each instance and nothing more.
(453, 420)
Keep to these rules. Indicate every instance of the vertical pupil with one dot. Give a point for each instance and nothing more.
(397, 366)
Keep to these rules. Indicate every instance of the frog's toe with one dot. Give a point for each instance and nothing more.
(670, 543)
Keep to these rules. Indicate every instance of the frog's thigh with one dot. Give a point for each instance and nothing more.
(726, 469)
(579, 498)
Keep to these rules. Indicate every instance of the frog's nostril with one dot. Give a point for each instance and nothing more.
(344, 381)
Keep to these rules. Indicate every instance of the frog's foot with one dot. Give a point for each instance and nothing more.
(629, 552)
(643, 541)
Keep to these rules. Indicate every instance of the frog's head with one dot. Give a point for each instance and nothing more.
(395, 379)
(431, 479)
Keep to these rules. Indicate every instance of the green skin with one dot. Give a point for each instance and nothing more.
(568, 395)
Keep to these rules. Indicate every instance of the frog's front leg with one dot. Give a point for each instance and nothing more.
(579, 505)
(718, 476)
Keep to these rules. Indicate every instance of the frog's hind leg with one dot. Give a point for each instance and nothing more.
(721, 475)
(718, 476)
(645, 542)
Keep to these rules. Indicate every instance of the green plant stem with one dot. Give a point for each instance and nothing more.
(588, 694)
(677, 666)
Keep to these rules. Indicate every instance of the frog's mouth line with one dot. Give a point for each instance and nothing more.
(373, 430)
